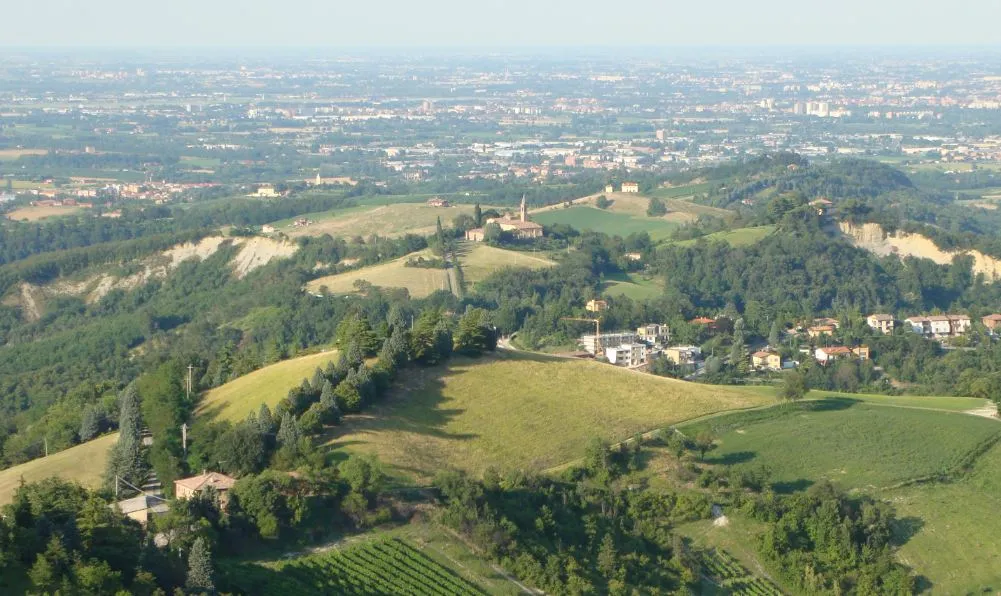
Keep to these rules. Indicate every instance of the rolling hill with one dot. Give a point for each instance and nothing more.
(519, 410)
(478, 261)
(83, 463)
(238, 398)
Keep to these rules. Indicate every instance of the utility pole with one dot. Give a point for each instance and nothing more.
(46, 446)
(184, 437)
(190, 368)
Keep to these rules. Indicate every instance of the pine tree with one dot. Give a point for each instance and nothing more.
(289, 432)
(328, 402)
(265, 421)
(774, 339)
(396, 319)
(318, 380)
(200, 574)
(355, 355)
(126, 460)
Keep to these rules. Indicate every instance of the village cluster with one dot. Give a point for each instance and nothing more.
(636, 349)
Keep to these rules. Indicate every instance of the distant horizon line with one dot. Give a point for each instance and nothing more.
(503, 47)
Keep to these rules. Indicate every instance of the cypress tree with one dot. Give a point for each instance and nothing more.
(477, 215)
(200, 574)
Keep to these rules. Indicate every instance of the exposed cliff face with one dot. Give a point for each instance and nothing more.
(873, 238)
(252, 253)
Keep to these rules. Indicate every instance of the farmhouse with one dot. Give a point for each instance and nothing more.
(609, 188)
(267, 229)
(766, 360)
(266, 190)
(822, 206)
(880, 322)
(629, 355)
(185, 488)
(939, 325)
(832, 353)
(596, 305)
(438, 202)
(630, 187)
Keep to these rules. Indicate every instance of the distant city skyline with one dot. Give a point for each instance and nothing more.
(498, 23)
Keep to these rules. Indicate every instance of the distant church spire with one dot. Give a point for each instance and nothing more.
(524, 209)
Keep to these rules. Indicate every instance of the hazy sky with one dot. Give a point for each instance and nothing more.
(498, 22)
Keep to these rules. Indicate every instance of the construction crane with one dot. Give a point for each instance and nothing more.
(597, 331)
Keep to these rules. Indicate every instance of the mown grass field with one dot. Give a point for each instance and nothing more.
(676, 192)
(238, 398)
(738, 237)
(637, 286)
(420, 282)
(853, 444)
(527, 411)
(609, 222)
(83, 463)
(14, 154)
(40, 213)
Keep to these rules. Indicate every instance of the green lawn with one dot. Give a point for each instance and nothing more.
(852, 443)
(614, 224)
(517, 410)
(633, 285)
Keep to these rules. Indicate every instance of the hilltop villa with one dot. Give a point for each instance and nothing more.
(521, 227)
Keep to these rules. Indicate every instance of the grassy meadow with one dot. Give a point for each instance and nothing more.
(637, 286)
(738, 237)
(83, 463)
(516, 410)
(479, 260)
(39, 213)
(394, 219)
(238, 398)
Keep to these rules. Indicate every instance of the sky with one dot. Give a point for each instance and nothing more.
(498, 23)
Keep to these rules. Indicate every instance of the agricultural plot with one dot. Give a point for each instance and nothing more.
(376, 568)
(83, 463)
(725, 575)
(419, 281)
(40, 213)
(636, 286)
(238, 398)
(479, 261)
(609, 222)
(677, 192)
(395, 219)
(851, 443)
(738, 237)
(517, 410)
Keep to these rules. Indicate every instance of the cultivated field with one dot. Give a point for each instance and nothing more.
(40, 213)
(83, 463)
(385, 220)
(948, 524)
(607, 221)
(517, 410)
(13, 154)
(388, 566)
(238, 398)
(738, 237)
(478, 261)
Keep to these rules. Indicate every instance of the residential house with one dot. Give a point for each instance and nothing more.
(596, 306)
(630, 187)
(609, 188)
(266, 190)
(939, 325)
(832, 353)
(655, 334)
(142, 508)
(683, 354)
(438, 202)
(820, 330)
(766, 360)
(185, 488)
(880, 322)
(992, 322)
(268, 229)
(629, 355)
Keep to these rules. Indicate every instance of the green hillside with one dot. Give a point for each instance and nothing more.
(83, 463)
(517, 410)
(238, 398)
